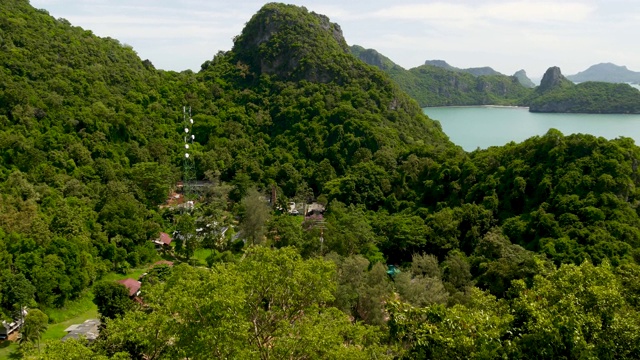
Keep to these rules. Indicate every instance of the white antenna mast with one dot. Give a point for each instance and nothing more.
(189, 166)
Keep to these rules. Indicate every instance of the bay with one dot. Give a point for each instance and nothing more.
(474, 127)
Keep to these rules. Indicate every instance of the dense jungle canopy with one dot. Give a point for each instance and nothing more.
(528, 250)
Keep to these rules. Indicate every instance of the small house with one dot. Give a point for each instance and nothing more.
(132, 285)
(163, 241)
(90, 329)
(8, 328)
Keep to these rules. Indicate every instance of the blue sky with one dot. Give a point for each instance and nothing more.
(507, 35)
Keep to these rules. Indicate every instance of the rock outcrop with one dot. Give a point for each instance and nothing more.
(292, 43)
(552, 79)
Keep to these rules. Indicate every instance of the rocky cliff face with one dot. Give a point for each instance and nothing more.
(552, 79)
(293, 43)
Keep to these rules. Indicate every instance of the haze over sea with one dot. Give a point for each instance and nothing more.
(475, 127)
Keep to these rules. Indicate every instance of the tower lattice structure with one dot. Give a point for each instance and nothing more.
(189, 165)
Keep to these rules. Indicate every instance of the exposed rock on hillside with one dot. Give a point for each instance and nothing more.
(552, 79)
(291, 42)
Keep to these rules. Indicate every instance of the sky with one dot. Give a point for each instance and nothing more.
(507, 35)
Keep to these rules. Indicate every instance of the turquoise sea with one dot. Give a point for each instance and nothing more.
(474, 127)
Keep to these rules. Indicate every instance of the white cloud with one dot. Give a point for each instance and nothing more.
(521, 11)
(505, 34)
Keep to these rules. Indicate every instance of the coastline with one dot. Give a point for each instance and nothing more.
(479, 106)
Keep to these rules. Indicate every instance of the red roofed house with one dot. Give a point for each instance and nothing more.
(132, 285)
(164, 241)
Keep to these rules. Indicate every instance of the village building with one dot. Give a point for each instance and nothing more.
(8, 328)
(163, 241)
(90, 329)
(133, 286)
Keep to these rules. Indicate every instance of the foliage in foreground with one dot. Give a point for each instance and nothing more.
(274, 304)
(574, 312)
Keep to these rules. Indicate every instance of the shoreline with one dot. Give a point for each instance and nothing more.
(478, 106)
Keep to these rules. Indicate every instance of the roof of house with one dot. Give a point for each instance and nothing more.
(132, 285)
(165, 238)
(89, 329)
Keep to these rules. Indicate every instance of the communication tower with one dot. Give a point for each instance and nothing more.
(189, 165)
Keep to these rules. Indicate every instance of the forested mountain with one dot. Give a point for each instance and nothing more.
(528, 250)
(91, 137)
(606, 72)
(88, 147)
(438, 84)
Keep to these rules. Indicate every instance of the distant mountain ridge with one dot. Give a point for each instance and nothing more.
(475, 71)
(439, 84)
(606, 72)
(373, 57)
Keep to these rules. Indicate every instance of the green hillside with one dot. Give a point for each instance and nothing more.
(85, 125)
(91, 137)
(529, 250)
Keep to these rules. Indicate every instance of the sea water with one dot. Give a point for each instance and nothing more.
(474, 127)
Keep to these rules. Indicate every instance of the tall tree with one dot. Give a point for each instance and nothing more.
(111, 298)
(187, 241)
(256, 215)
(35, 324)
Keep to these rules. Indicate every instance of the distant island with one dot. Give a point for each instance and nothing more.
(439, 84)
(557, 94)
(606, 72)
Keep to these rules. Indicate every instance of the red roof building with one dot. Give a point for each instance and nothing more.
(165, 238)
(132, 285)
(163, 241)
